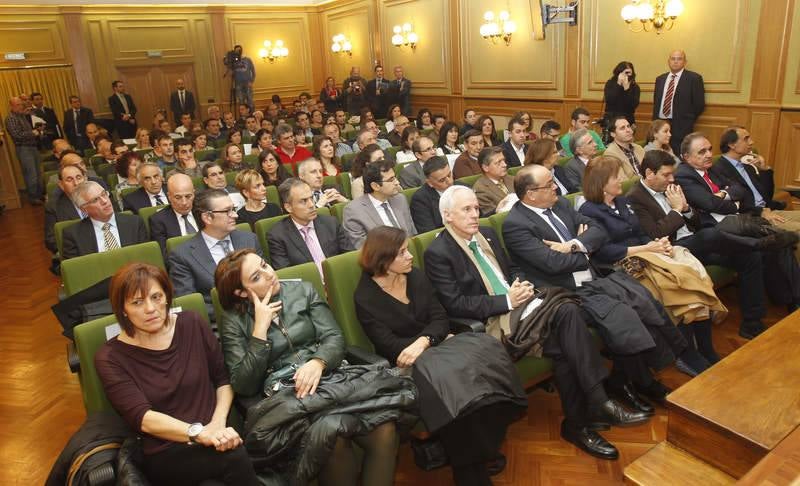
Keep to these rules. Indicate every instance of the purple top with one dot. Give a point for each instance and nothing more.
(180, 381)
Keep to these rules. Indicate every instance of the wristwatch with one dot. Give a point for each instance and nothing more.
(194, 430)
(431, 340)
(574, 248)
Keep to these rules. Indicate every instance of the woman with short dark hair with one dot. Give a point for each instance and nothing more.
(448, 140)
(271, 169)
(165, 375)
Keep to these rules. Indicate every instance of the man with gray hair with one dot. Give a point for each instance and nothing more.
(175, 219)
(151, 192)
(310, 172)
(474, 279)
(26, 140)
(362, 139)
(101, 230)
(583, 145)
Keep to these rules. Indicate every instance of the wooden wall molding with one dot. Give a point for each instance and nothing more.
(772, 45)
(786, 162)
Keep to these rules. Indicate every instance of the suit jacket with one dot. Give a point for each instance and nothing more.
(699, 196)
(191, 267)
(425, 209)
(622, 227)
(124, 129)
(560, 174)
(360, 216)
(613, 150)
(573, 171)
(79, 239)
(654, 222)
(512, 160)
(402, 96)
(287, 247)
(163, 226)
(57, 209)
(489, 195)
(394, 138)
(688, 103)
(458, 282)
(175, 104)
(764, 183)
(49, 115)
(524, 232)
(137, 200)
(378, 102)
(465, 166)
(411, 175)
(77, 139)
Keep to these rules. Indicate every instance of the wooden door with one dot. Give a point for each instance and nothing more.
(150, 87)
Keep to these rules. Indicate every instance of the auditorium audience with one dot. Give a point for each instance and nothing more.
(369, 135)
(494, 188)
(438, 122)
(395, 136)
(680, 99)
(423, 121)
(271, 169)
(310, 172)
(370, 154)
(279, 337)
(579, 120)
(214, 135)
(551, 130)
(256, 207)
(164, 150)
(101, 230)
(401, 89)
(176, 219)
(467, 163)
(325, 152)
(234, 136)
(233, 158)
(658, 136)
(515, 147)
(262, 140)
(545, 153)
(332, 96)
(399, 312)
(470, 122)
(412, 174)
(623, 148)
(425, 201)
(331, 130)
(150, 192)
(527, 121)
(448, 140)
(123, 110)
(187, 164)
(214, 178)
(143, 139)
(76, 118)
(583, 144)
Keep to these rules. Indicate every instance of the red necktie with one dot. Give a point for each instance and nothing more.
(667, 108)
(714, 187)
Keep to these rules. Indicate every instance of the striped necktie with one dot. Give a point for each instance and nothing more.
(667, 108)
(108, 238)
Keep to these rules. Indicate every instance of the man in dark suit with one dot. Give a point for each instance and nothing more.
(515, 147)
(53, 129)
(101, 230)
(192, 264)
(679, 97)
(551, 242)
(304, 236)
(459, 263)
(395, 137)
(177, 218)
(62, 208)
(124, 111)
(401, 89)
(151, 192)
(181, 101)
(425, 201)
(310, 172)
(662, 210)
(413, 174)
(377, 93)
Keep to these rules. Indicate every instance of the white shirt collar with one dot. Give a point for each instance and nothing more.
(375, 201)
(211, 241)
(98, 225)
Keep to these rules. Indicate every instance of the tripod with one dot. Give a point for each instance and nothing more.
(232, 92)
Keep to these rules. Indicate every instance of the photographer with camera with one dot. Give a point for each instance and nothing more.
(355, 88)
(621, 95)
(244, 73)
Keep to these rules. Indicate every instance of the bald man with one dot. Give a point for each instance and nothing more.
(175, 219)
(26, 140)
(679, 98)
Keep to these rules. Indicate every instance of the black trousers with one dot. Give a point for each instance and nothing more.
(577, 365)
(183, 464)
(711, 247)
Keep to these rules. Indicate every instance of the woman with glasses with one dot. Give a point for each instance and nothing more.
(284, 351)
(423, 120)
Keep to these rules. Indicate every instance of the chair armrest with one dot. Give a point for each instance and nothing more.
(73, 360)
(356, 355)
(462, 324)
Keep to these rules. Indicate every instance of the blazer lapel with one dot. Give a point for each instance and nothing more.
(539, 223)
(201, 254)
(88, 236)
(371, 212)
(297, 239)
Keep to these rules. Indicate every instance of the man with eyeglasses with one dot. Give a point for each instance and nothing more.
(151, 192)
(412, 174)
(395, 137)
(177, 218)
(192, 264)
(214, 178)
(381, 205)
(101, 230)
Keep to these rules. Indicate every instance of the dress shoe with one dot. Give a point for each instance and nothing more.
(751, 329)
(598, 425)
(615, 414)
(655, 391)
(590, 442)
(627, 394)
(496, 465)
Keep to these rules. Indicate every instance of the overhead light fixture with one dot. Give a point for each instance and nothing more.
(405, 36)
(272, 53)
(494, 31)
(658, 18)
(341, 45)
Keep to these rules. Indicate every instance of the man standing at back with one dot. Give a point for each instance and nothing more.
(26, 139)
(378, 92)
(402, 90)
(124, 111)
(181, 101)
(679, 98)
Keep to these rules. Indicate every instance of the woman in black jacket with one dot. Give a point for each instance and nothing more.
(622, 93)
(400, 314)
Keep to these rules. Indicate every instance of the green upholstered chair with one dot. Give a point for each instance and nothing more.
(124, 193)
(89, 153)
(46, 175)
(198, 183)
(330, 180)
(563, 161)
(408, 193)
(420, 243)
(250, 160)
(273, 197)
(306, 272)
(337, 210)
(469, 180)
(513, 170)
(496, 222)
(113, 181)
(347, 161)
(392, 151)
(289, 168)
(262, 228)
(146, 213)
(342, 274)
(203, 154)
(501, 134)
(628, 184)
(230, 178)
(84, 271)
(345, 184)
(93, 334)
(59, 228)
(573, 197)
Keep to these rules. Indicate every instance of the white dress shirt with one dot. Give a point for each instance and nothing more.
(182, 222)
(381, 212)
(98, 232)
(217, 253)
(161, 195)
(664, 95)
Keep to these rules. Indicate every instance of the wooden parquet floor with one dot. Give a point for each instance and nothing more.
(41, 407)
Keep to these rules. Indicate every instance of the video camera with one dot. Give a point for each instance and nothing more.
(232, 58)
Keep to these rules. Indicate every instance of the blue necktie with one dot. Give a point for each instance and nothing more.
(562, 230)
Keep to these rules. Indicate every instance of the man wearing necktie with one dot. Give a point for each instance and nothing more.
(124, 111)
(679, 98)
(151, 192)
(377, 95)
(402, 90)
(495, 185)
(176, 219)
(181, 101)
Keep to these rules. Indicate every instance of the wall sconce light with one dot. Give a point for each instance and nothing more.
(660, 17)
(493, 31)
(272, 53)
(405, 36)
(341, 45)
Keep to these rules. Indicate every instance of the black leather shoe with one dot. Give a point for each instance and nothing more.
(590, 442)
(751, 329)
(496, 465)
(615, 414)
(598, 425)
(627, 394)
(656, 392)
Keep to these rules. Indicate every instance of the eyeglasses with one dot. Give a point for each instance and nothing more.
(223, 211)
(429, 149)
(390, 180)
(104, 196)
(549, 185)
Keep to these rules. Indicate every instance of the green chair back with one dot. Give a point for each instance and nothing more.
(573, 197)
(469, 180)
(409, 193)
(262, 228)
(202, 154)
(47, 175)
(307, 272)
(146, 212)
(513, 170)
(93, 334)
(273, 197)
(113, 181)
(89, 153)
(391, 152)
(82, 272)
(421, 243)
(251, 160)
(126, 191)
(289, 168)
(51, 187)
(342, 274)
(230, 178)
(198, 184)
(496, 222)
(501, 134)
(337, 210)
(563, 161)
(347, 161)
(59, 232)
(345, 184)
(628, 184)
(330, 180)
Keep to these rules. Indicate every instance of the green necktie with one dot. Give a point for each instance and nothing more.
(497, 285)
